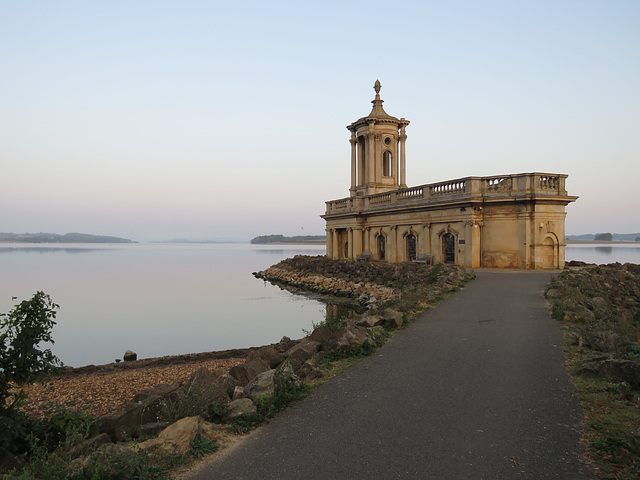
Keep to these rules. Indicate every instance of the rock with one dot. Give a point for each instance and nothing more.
(268, 354)
(262, 384)
(238, 392)
(89, 445)
(604, 341)
(150, 429)
(392, 318)
(206, 387)
(617, 369)
(348, 336)
(150, 401)
(245, 372)
(309, 371)
(242, 406)
(285, 339)
(176, 438)
(121, 424)
(298, 354)
(130, 356)
(368, 321)
(226, 383)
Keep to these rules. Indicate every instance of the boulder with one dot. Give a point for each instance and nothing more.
(176, 438)
(227, 383)
(298, 354)
(268, 354)
(130, 356)
(245, 372)
(392, 318)
(369, 321)
(151, 400)
(617, 369)
(242, 406)
(238, 392)
(345, 337)
(309, 371)
(121, 424)
(150, 429)
(262, 384)
(206, 387)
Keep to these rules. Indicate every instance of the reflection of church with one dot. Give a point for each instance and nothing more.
(506, 221)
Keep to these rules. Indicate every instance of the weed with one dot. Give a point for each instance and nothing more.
(201, 446)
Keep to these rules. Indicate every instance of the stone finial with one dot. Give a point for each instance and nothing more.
(377, 87)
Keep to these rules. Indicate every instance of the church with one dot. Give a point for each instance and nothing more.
(505, 221)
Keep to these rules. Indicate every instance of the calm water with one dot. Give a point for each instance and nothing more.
(178, 298)
(604, 253)
(157, 299)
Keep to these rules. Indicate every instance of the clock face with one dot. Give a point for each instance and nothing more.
(387, 141)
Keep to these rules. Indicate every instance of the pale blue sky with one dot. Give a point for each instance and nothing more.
(225, 120)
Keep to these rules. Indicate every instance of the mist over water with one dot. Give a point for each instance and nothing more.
(157, 299)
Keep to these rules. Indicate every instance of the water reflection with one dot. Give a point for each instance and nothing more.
(622, 253)
(41, 250)
(158, 299)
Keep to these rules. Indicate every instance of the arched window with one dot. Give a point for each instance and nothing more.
(449, 247)
(381, 247)
(387, 164)
(411, 247)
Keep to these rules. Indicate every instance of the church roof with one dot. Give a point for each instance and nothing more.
(377, 114)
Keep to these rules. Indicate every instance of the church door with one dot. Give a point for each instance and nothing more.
(381, 247)
(411, 247)
(449, 245)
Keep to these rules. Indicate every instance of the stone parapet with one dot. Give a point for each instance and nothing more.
(468, 189)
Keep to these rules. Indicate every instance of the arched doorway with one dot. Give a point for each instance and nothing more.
(412, 249)
(382, 244)
(449, 248)
(549, 253)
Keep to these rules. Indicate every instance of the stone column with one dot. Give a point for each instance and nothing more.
(396, 163)
(370, 156)
(329, 243)
(367, 240)
(336, 247)
(350, 244)
(403, 173)
(354, 170)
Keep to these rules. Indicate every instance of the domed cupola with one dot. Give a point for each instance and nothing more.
(377, 151)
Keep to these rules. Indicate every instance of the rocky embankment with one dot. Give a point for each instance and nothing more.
(600, 305)
(366, 282)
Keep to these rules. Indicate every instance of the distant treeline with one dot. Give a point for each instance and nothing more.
(56, 238)
(607, 237)
(294, 239)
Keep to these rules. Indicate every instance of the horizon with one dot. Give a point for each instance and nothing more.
(142, 121)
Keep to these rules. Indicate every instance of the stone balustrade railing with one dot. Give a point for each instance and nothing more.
(469, 188)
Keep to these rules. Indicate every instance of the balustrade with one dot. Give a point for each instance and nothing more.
(471, 187)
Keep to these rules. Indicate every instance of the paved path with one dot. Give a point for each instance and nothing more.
(475, 389)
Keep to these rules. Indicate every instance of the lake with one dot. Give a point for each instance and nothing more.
(603, 252)
(169, 299)
(157, 299)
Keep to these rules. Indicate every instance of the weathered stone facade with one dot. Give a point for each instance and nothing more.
(506, 221)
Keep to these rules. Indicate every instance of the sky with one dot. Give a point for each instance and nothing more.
(208, 120)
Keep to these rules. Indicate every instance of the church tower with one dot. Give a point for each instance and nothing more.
(377, 151)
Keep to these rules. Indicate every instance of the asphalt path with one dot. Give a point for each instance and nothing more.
(474, 389)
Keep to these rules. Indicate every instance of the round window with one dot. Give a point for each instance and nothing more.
(387, 141)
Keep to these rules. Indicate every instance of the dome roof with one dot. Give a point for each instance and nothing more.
(377, 114)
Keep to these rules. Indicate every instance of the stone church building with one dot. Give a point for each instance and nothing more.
(505, 221)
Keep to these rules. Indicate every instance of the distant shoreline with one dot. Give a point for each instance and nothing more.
(601, 242)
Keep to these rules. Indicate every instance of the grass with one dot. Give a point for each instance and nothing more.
(591, 305)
